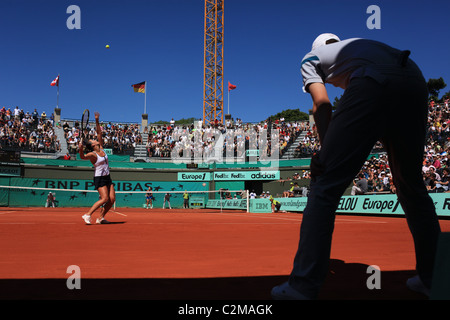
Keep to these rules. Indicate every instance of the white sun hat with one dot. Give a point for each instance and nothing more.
(322, 39)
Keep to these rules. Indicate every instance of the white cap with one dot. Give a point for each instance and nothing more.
(322, 39)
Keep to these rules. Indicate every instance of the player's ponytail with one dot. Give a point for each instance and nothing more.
(89, 146)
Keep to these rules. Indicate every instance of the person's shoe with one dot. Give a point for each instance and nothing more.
(415, 284)
(87, 218)
(102, 221)
(286, 292)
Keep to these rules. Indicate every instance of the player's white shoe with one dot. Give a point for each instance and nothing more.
(87, 218)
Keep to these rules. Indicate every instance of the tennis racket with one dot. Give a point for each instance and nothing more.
(84, 125)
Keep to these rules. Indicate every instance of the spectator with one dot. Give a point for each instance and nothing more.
(360, 186)
(35, 116)
(430, 181)
(21, 133)
(442, 185)
(290, 192)
(17, 113)
(426, 165)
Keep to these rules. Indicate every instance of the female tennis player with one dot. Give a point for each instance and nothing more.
(102, 179)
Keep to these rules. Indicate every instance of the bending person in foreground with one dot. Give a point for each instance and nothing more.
(386, 92)
(102, 179)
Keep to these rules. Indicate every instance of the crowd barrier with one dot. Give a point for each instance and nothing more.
(386, 204)
(78, 193)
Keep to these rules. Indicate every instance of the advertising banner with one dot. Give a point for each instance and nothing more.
(362, 204)
(228, 204)
(247, 175)
(81, 193)
(229, 175)
(194, 176)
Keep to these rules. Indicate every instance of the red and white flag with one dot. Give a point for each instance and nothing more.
(55, 82)
(231, 87)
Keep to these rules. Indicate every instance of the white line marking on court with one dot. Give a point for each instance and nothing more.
(119, 213)
(246, 215)
(218, 223)
(35, 223)
(20, 223)
(357, 221)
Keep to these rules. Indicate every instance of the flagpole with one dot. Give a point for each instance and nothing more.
(145, 102)
(228, 101)
(57, 94)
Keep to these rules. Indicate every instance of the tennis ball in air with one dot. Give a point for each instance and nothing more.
(107, 46)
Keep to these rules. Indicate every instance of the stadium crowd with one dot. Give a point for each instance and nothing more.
(375, 175)
(35, 132)
(27, 131)
(436, 162)
(162, 139)
(310, 143)
(121, 138)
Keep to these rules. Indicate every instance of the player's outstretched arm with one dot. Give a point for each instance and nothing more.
(98, 128)
(321, 108)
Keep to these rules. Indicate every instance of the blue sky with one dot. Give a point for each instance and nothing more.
(161, 42)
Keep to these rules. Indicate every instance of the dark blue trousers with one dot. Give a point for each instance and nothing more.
(389, 106)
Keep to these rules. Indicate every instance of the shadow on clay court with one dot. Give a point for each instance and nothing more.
(344, 282)
(105, 224)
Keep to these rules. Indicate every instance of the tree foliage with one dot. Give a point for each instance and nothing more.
(290, 115)
(434, 87)
(180, 121)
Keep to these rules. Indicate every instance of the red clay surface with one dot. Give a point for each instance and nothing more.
(192, 254)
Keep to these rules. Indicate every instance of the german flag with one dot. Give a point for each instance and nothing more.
(139, 87)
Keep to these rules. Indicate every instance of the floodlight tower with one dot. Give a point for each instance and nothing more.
(213, 62)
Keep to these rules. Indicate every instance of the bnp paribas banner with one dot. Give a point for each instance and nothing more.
(28, 192)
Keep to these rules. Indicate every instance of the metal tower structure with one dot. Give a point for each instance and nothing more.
(213, 62)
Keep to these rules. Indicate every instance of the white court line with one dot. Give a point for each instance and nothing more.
(358, 221)
(36, 223)
(122, 214)
(218, 223)
(251, 215)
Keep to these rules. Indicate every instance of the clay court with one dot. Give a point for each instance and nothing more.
(192, 255)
